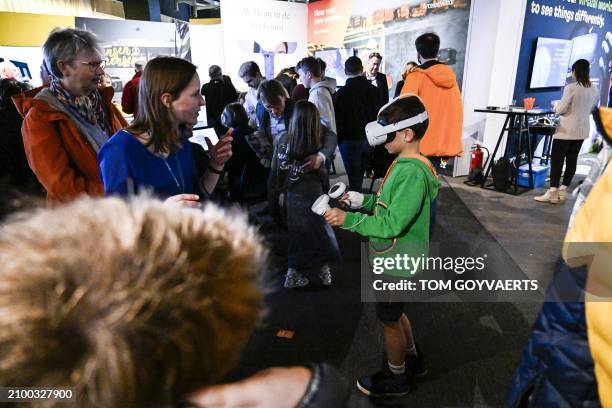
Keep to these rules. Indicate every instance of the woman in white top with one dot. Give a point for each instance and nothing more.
(574, 109)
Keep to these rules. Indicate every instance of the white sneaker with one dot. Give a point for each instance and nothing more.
(562, 193)
(549, 197)
(325, 276)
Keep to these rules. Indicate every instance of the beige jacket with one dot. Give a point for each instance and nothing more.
(575, 108)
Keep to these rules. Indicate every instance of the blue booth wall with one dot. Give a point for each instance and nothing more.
(564, 19)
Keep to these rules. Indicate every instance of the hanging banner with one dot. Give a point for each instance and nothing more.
(271, 33)
(327, 22)
(389, 27)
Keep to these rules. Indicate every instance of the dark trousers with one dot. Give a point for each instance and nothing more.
(433, 208)
(355, 154)
(564, 150)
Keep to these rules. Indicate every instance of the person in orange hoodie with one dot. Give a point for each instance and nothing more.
(435, 83)
(67, 122)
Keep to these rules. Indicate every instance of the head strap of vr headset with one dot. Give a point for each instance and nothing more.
(402, 124)
(406, 123)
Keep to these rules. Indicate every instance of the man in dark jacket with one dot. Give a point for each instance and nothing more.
(378, 79)
(218, 93)
(129, 97)
(380, 159)
(357, 104)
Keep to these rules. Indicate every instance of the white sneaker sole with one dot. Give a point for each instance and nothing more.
(371, 394)
(545, 200)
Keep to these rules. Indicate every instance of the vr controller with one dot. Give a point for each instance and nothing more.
(321, 205)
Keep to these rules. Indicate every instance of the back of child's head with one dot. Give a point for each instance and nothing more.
(234, 116)
(304, 134)
(404, 107)
(130, 304)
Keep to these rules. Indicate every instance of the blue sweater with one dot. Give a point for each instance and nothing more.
(128, 167)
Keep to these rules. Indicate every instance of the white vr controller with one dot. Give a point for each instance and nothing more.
(321, 205)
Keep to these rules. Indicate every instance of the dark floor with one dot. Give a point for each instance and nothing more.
(471, 349)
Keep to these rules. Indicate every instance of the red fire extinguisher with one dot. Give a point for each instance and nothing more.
(477, 157)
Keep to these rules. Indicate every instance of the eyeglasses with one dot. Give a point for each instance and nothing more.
(94, 65)
(375, 54)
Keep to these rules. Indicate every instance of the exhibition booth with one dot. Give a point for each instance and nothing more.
(112, 287)
(501, 52)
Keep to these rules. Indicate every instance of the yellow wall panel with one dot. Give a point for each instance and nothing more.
(29, 30)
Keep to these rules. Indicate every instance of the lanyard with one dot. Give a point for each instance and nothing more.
(181, 185)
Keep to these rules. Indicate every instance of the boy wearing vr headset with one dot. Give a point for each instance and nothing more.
(398, 216)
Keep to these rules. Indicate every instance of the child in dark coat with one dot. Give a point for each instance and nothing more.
(292, 191)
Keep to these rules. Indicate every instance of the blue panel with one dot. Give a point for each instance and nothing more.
(591, 40)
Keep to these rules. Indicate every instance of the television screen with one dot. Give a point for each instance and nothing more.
(550, 63)
(335, 60)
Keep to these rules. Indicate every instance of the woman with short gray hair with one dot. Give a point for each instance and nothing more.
(67, 122)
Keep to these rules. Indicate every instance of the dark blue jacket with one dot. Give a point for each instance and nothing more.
(557, 367)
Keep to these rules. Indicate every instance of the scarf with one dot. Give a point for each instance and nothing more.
(89, 107)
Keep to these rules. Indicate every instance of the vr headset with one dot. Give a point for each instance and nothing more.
(381, 132)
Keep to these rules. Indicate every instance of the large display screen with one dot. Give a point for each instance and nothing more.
(335, 60)
(550, 63)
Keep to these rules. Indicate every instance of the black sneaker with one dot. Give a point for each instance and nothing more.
(416, 365)
(384, 384)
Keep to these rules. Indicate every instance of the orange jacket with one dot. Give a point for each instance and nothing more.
(63, 161)
(437, 87)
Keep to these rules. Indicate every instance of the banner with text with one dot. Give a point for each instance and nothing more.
(271, 33)
(556, 33)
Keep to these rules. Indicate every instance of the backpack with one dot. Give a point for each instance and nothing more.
(502, 174)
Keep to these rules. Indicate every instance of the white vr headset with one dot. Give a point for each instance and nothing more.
(379, 133)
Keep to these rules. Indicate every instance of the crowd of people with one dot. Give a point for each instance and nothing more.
(152, 293)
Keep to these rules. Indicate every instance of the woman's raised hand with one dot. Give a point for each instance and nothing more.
(222, 151)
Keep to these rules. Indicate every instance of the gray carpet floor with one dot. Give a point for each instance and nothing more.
(471, 349)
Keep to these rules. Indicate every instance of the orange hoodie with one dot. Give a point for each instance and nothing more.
(62, 159)
(437, 87)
